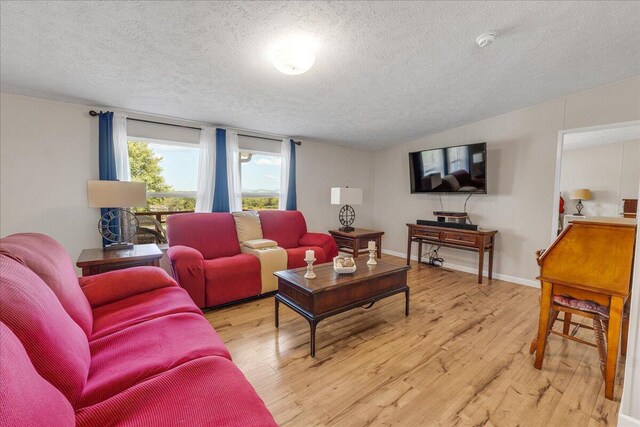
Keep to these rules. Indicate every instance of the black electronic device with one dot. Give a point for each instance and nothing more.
(447, 224)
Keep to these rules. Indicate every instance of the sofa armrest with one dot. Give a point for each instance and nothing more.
(325, 241)
(188, 269)
(113, 286)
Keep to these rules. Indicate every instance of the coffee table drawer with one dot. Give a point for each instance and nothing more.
(341, 297)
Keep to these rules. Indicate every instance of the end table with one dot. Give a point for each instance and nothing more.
(96, 261)
(355, 242)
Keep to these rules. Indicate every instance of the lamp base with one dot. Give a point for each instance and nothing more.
(117, 246)
(347, 229)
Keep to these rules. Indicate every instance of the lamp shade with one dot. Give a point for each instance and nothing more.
(580, 194)
(346, 196)
(116, 194)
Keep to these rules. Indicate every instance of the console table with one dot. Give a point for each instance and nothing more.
(468, 240)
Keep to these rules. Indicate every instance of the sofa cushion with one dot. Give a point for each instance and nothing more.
(295, 256)
(56, 345)
(285, 227)
(212, 234)
(127, 312)
(247, 225)
(259, 244)
(231, 278)
(26, 399)
(49, 260)
(127, 357)
(271, 260)
(210, 391)
(112, 286)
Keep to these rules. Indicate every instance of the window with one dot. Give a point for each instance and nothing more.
(433, 162)
(458, 158)
(259, 179)
(170, 170)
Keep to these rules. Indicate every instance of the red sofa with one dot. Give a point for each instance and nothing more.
(124, 348)
(206, 260)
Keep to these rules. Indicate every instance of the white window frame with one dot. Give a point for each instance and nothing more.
(175, 194)
(244, 194)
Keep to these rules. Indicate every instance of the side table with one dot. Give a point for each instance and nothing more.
(96, 261)
(355, 242)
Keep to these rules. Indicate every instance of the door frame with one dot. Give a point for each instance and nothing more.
(556, 185)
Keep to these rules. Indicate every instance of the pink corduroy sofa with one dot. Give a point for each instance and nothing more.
(122, 348)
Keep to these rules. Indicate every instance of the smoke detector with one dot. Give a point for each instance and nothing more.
(485, 39)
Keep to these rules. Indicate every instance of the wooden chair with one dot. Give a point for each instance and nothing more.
(590, 261)
(150, 230)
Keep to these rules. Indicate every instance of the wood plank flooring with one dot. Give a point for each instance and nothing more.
(460, 359)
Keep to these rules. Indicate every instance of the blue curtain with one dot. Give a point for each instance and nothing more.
(292, 203)
(221, 191)
(107, 157)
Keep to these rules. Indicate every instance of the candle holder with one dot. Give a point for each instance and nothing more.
(310, 274)
(372, 257)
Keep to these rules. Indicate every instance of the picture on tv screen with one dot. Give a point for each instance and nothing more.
(460, 169)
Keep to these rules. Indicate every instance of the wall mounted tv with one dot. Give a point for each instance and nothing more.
(461, 169)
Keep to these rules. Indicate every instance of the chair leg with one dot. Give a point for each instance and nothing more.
(613, 343)
(598, 331)
(625, 336)
(543, 324)
(566, 327)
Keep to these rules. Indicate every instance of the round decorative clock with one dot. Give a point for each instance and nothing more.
(346, 216)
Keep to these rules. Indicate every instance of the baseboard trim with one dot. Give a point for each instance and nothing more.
(465, 269)
(627, 421)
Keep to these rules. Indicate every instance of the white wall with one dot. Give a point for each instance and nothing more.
(322, 166)
(50, 149)
(610, 171)
(522, 147)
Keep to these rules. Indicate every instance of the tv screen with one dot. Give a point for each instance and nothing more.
(461, 169)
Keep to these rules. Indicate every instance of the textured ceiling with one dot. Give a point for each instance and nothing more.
(385, 73)
(580, 140)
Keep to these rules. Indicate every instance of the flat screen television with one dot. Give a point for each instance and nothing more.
(461, 169)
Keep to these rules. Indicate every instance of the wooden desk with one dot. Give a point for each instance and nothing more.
(467, 240)
(355, 242)
(96, 261)
(591, 260)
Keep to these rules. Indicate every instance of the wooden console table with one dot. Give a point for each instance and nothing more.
(468, 240)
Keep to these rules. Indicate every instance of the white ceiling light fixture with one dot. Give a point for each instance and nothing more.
(293, 56)
(485, 39)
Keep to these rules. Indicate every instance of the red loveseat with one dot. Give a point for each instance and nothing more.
(122, 348)
(207, 262)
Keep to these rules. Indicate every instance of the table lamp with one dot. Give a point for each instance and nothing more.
(118, 225)
(346, 196)
(580, 195)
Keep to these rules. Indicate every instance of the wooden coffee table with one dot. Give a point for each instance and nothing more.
(331, 293)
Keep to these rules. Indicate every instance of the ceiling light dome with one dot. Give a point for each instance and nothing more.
(293, 57)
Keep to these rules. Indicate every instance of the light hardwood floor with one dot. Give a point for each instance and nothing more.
(460, 358)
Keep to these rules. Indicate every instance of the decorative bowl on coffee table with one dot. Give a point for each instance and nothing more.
(343, 270)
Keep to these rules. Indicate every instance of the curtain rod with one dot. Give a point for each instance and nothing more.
(93, 113)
